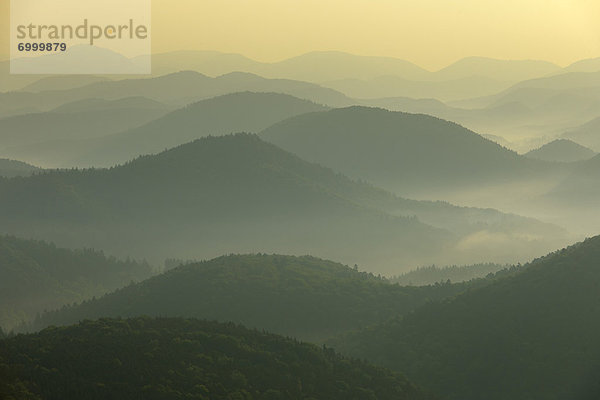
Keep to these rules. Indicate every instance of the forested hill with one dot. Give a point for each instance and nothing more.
(304, 297)
(37, 276)
(12, 168)
(533, 336)
(196, 200)
(222, 115)
(157, 359)
(397, 150)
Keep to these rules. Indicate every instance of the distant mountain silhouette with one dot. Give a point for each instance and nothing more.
(399, 151)
(12, 168)
(586, 134)
(177, 89)
(62, 82)
(581, 188)
(317, 66)
(92, 104)
(587, 65)
(394, 86)
(79, 59)
(79, 120)
(561, 150)
(247, 111)
(492, 342)
(321, 66)
(502, 70)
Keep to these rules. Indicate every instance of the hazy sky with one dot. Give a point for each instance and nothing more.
(431, 33)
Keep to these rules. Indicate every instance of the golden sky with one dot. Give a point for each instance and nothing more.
(431, 33)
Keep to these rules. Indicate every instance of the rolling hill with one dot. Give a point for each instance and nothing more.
(183, 359)
(587, 134)
(303, 297)
(62, 82)
(581, 188)
(91, 118)
(238, 193)
(12, 168)
(493, 342)
(37, 276)
(253, 112)
(399, 151)
(176, 90)
(561, 150)
(502, 70)
(210, 197)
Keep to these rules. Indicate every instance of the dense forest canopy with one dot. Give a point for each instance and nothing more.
(304, 297)
(177, 359)
(533, 335)
(37, 276)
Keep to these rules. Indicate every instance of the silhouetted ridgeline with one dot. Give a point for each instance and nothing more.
(182, 359)
(561, 150)
(400, 151)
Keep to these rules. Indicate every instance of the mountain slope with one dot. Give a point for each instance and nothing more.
(210, 197)
(581, 188)
(502, 70)
(561, 150)
(176, 90)
(303, 297)
(530, 336)
(238, 193)
(397, 150)
(237, 112)
(36, 276)
(68, 123)
(12, 168)
(184, 359)
(587, 134)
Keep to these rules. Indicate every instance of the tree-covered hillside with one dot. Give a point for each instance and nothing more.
(237, 193)
(454, 273)
(530, 336)
(211, 197)
(37, 276)
(184, 359)
(222, 115)
(12, 168)
(304, 297)
(399, 151)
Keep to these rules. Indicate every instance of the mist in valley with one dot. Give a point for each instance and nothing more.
(233, 226)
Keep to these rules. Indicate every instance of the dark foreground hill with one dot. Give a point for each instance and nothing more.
(531, 336)
(184, 359)
(37, 276)
(304, 297)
